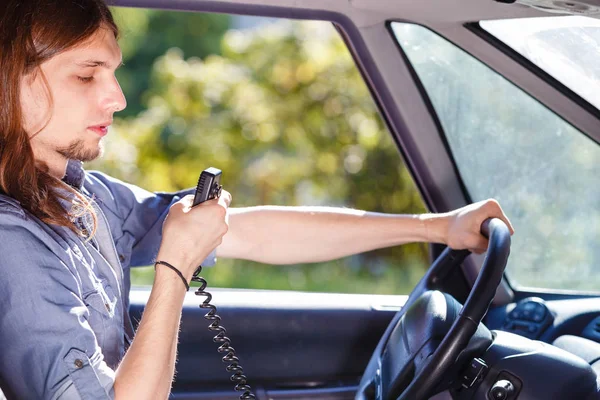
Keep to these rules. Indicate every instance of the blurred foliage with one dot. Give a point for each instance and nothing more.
(283, 111)
(147, 34)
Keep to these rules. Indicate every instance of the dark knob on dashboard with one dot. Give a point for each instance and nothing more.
(502, 390)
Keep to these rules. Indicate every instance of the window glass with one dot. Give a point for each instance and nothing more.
(506, 145)
(281, 109)
(568, 48)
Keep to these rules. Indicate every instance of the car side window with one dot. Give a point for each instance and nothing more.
(509, 146)
(282, 110)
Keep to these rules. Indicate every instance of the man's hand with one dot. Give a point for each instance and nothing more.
(464, 225)
(190, 234)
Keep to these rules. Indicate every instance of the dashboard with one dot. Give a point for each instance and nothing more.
(541, 349)
(530, 317)
(570, 324)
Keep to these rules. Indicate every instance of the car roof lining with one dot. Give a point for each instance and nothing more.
(432, 12)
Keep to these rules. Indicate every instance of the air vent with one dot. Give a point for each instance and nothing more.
(596, 326)
(592, 330)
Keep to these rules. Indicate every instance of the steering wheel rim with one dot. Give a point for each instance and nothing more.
(436, 365)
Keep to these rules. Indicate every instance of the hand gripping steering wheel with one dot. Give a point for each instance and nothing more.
(416, 355)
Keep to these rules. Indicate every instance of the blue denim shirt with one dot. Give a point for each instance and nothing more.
(64, 322)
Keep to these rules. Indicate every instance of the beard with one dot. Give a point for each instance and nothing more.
(78, 150)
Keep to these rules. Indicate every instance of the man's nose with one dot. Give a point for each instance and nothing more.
(113, 99)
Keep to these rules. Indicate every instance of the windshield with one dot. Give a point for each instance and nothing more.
(567, 48)
(507, 145)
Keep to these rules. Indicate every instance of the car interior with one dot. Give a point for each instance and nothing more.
(477, 110)
(509, 341)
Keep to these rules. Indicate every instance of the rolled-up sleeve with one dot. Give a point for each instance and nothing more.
(49, 350)
(142, 213)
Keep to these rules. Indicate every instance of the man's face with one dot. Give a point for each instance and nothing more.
(85, 96)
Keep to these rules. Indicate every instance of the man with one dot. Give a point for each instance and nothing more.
(68, 237)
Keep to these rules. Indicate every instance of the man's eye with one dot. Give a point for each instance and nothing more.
(85, 79)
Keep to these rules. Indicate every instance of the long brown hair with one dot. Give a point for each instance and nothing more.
(32, 32)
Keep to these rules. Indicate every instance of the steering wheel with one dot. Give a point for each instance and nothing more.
(421, 345)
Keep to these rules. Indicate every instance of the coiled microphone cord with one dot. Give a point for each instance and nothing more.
(229, 358)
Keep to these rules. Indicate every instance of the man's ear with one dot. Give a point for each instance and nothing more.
(29, 77)
(36, 101)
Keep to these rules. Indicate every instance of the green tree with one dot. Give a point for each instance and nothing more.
(287, 117)
(147, 34)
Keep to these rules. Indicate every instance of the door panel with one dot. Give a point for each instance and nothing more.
(290, 344)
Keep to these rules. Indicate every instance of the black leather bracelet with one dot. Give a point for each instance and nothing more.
(166, 264)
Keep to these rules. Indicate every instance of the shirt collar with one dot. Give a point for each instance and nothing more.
(75, 174)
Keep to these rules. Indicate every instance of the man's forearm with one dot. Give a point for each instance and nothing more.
(148, 366)
(288, 235)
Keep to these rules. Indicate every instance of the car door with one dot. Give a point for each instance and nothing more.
(301, 344)
(295, 344)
